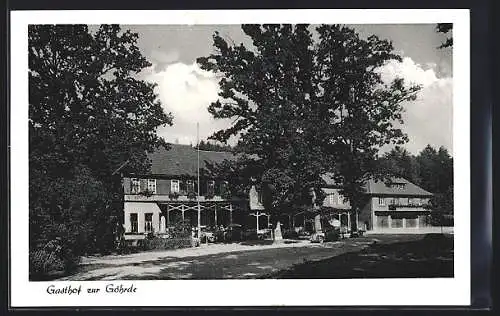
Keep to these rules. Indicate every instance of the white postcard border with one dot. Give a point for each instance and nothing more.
(358, 292)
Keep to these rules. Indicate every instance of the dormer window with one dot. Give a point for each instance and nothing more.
(211, 187)
(332, 199)
(152, 186)
(174, 186)
(190, 185)
(340, 199)
(135, 185)
(398, 186)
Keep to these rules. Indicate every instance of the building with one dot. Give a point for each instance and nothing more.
(390, 206)
(156, 201)
(395, 205)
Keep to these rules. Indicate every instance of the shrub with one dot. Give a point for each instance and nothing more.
(166, 243)
(42, 262)
(290, 234)
(191, 195)
(181, 229)
(332, 234)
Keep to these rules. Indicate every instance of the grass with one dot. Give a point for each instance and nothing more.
(428, 257)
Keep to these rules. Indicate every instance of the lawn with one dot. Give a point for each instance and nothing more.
(378, 256)
(427, 257)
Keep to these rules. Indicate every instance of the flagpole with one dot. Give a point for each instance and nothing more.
(198, 175)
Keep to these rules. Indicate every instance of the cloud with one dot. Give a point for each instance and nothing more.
(186, 91)
(161, 59)
(428, 120)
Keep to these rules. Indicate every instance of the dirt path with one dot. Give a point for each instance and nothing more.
(215, 261)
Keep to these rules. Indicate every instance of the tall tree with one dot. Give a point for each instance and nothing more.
(400, 162)
(445, 28)
(267, 90)
(89, 113)
(361, 108)
(307, 106)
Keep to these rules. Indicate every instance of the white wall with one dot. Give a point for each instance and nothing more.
(141, 208)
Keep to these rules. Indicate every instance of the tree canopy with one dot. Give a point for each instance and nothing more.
(307, 101)
(445, 28)
(89, 114)
(431, 169)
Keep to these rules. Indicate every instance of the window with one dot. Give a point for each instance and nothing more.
(331, 199)
(133, 223)
(398, 186)
(381, 201)
(190, 185)
(148, 222)
(152, 186)
(340, 199)
(135, 185)
(403, 201)
(224, 187)
(174, 186)
(259, 196)
(211, 187)
(396, 222)
(382, 221)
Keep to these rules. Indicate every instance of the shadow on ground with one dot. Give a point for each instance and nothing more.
(387, 256)
(431, 256)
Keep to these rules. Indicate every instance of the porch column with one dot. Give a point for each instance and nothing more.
(126, 222)
(257, 217)
(182, 210)
(162, 224)
(349, 221)
(357, 220)
(156, 222)
(215, 214)
(168, 216)
(230, 213)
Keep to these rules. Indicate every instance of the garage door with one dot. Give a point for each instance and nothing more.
(382, 221)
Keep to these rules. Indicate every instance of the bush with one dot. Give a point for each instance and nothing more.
(167, 243)
(290, 234)
(55, 256)
(332, 235)
(181, 229)
(43, 262)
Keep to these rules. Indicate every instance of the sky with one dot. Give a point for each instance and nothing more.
(185, 90)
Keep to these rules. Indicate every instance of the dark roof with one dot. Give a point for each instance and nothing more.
(181, 160)
(382, 188)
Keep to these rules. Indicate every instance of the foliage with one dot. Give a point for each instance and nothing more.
(304, 105)
(211, 146)
(191, 195)
(88, 114)
(445, 28)
(431, 169)
(181, 229)
(167, 243)
(43, 262)
(173, 195)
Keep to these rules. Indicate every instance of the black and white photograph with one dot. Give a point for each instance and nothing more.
(241, 151)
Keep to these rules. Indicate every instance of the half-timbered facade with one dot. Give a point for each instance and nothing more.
(156, 201)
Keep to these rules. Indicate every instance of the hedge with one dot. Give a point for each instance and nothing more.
(167, 243)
